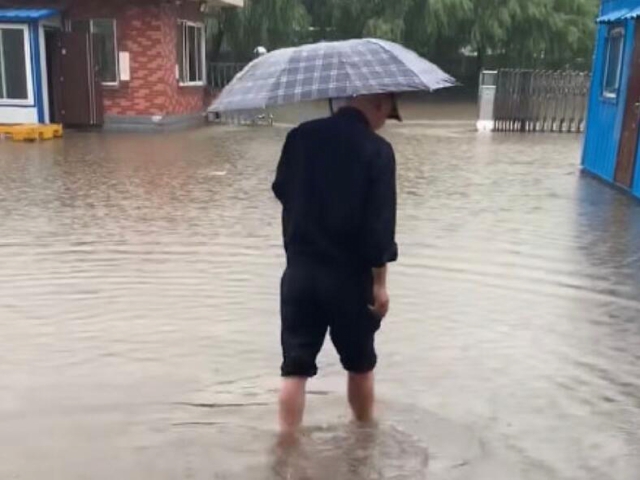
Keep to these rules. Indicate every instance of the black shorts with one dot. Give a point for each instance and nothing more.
(316, 298)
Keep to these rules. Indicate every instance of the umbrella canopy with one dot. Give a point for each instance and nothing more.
(329, 70)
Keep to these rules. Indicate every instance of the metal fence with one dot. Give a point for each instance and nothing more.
(533, 100)
(220, 74)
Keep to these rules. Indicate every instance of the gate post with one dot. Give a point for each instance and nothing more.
(486, 100)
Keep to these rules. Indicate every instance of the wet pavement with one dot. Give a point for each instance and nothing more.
(139, 313)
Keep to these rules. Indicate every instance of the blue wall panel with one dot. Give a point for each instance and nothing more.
(605, 116)
(636, 180)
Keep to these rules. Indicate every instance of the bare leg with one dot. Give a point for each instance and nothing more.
(361, 396)
(292, 400)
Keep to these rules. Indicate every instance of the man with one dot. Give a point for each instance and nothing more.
(336, 182)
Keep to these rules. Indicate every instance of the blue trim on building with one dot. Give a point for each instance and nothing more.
(635, 186)
(26, 14)
(7, 103)
(613, 16)
(635, 13)
(33, 32)
(38, 94)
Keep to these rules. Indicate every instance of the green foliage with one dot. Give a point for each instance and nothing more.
(270, 23)
(515, 33)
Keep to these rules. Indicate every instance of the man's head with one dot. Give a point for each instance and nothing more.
(377, 108)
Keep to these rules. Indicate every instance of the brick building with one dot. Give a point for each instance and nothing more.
(125, 64)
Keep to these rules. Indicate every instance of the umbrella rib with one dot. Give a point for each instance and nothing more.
(416, 74)
(384, 47)
(342, 62)
(277, 81)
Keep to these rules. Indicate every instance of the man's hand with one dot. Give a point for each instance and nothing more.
(380, 301)
(380, 296)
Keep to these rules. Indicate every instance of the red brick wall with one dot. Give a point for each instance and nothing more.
(146, 29)
(181, 100)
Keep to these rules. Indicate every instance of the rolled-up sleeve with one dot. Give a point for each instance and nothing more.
(380, 243)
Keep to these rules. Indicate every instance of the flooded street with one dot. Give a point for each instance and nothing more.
(139, 318)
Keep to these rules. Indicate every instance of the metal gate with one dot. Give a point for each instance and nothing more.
(540, 101)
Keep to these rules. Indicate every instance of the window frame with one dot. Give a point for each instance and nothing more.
(115, 48)
(619, 31)
(184, 25)
(29, 101)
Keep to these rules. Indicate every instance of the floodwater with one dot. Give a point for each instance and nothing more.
(139, 313)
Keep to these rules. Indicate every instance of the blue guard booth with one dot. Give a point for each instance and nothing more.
(24, 92)
(611, 142)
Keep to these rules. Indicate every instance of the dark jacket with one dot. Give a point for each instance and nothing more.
(336, 181)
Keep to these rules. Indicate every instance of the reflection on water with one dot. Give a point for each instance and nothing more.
(358, 453)
(138, 312)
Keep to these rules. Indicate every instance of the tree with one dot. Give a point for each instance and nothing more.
(517, 33)
(270, 23)
(514, 33)
(339, 19)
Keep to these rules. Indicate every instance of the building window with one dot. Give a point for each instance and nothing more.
(105, 49)
(613, 65)
(105, 46)
(14, 65)
(191, 60)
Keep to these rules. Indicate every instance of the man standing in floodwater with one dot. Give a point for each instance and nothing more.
(336, 181)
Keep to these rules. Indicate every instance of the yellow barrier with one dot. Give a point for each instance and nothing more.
(31, 132)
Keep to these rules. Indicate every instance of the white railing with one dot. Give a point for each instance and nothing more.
(221, 73)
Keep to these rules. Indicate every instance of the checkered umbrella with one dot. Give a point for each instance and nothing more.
(329, 70)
